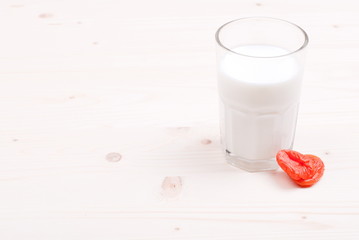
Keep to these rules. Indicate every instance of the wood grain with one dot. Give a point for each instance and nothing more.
(109, 124)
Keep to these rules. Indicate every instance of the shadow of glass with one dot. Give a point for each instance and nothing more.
(283, 180)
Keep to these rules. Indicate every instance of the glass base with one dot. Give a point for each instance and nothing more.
(251, 165)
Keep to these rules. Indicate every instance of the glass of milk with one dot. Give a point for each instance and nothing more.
(260, 68)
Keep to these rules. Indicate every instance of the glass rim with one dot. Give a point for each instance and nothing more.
(304, 44)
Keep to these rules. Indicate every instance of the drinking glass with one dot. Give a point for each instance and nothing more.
(260, 67)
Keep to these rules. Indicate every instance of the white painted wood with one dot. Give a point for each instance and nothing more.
(82, 79)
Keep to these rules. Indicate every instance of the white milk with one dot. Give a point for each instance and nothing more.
(259, 101)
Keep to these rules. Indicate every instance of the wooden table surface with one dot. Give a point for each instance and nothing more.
(109, 124)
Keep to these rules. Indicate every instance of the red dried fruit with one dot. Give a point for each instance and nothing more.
(304, 169)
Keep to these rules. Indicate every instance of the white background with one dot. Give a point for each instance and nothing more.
(82, 79)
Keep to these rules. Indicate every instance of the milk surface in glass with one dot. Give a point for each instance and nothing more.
(259, 98)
